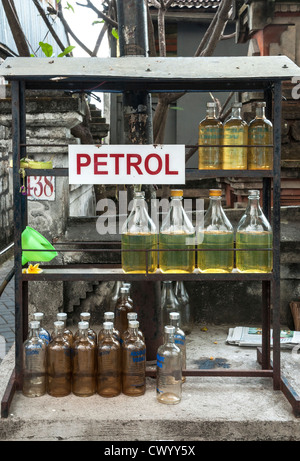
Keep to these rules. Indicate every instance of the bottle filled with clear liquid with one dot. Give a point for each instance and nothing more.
(235, 136)
(169, 302)
(169, 370)
(216, 238)
(260, 134)
(133, 363)
(68, 334)
(177, 236)
(254, 233)
(210, 133)
(139, 233)
(180, 339)
(86, 317)
(186, 311)
(59, 363)
(122, 308)
(34, 363)
(109, 317)
(84, 363)
(109, 377)
(43, 333)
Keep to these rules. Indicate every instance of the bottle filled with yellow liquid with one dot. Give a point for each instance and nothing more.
(216, 238)
(177, 236)
(210, 133)
(260, 134)
(139, 239)
(254, 238)
(235, 135)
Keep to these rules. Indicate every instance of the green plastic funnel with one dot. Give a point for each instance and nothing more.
(33, 240)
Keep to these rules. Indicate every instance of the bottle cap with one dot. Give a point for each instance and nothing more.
(211, 104)
(38, 315)
(215, 192)
(83, 325)
(34, 324)
(174, 315)
(124, 290)
(176, 193)
(59, 324)
(254, 192)
(61, 316)
(85, 315)
(109, 315)
(131, 315)
(169, 329)
(108, 325)
(133, 324)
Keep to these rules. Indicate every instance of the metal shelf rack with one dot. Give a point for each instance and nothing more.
(153, 75)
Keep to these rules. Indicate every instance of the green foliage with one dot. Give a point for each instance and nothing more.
(48, 50)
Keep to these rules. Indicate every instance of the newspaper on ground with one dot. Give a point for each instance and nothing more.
(252, 336)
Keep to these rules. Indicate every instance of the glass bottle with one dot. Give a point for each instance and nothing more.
(109, 382)
(260, 133)
(34, 363)
(235, 133)
(62, 317)
(169, 370)
(59, 363)
(84, 363)
(216, 236)
(133, 363)
(254, 232)
(169, 302)
(130, 317)
(177, 233)
(185, 307)
(109, 317)
(180, 339)
(43, 333)
(139, 233)
(122, 308)
(85, 317)
(125, 289)
(114, 295)
(210, 132)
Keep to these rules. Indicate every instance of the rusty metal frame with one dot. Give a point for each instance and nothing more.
(270, 282)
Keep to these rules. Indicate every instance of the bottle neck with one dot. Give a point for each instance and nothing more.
(35, 332)
(169, 338)
(211, 112)
(133, 332)
(254, 208)
(236, 112)
(174, 322)
(58, 334)
(260, 112)
(83, 333)
(215, 209)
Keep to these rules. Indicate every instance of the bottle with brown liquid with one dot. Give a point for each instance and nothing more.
(59, 363)
(62, 317)
(109, 382)
(84, 363)
(109, 317)
(133, 363)
(85, 317)
(122, 308)
(34, 363)
(131, 316)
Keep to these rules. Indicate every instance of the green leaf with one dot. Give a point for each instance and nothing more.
(47, 49)
(69, 7)
(177, 108)
(98, 22)
(66, 51)
(115, 33)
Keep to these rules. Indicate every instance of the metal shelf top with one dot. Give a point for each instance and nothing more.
(151, 74)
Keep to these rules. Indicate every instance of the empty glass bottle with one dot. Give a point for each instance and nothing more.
(177, 233)
(43, 333)
(131, 316)
(68, 334)
(254, 233)
(216, 236)
(169, 370)
(180, 339)
(59, 363)
(210, 132)
(133, 362)
(115, 295)
(260, 133)
(122, 308)
(84, 363)
(109, 382)
(85, 317)
(186, 311)
(235, 133)
(34, 363)
(169, 302)
(109, 317)
(139, 233)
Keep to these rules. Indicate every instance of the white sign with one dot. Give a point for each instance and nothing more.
(127, 164)
(41, 188)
